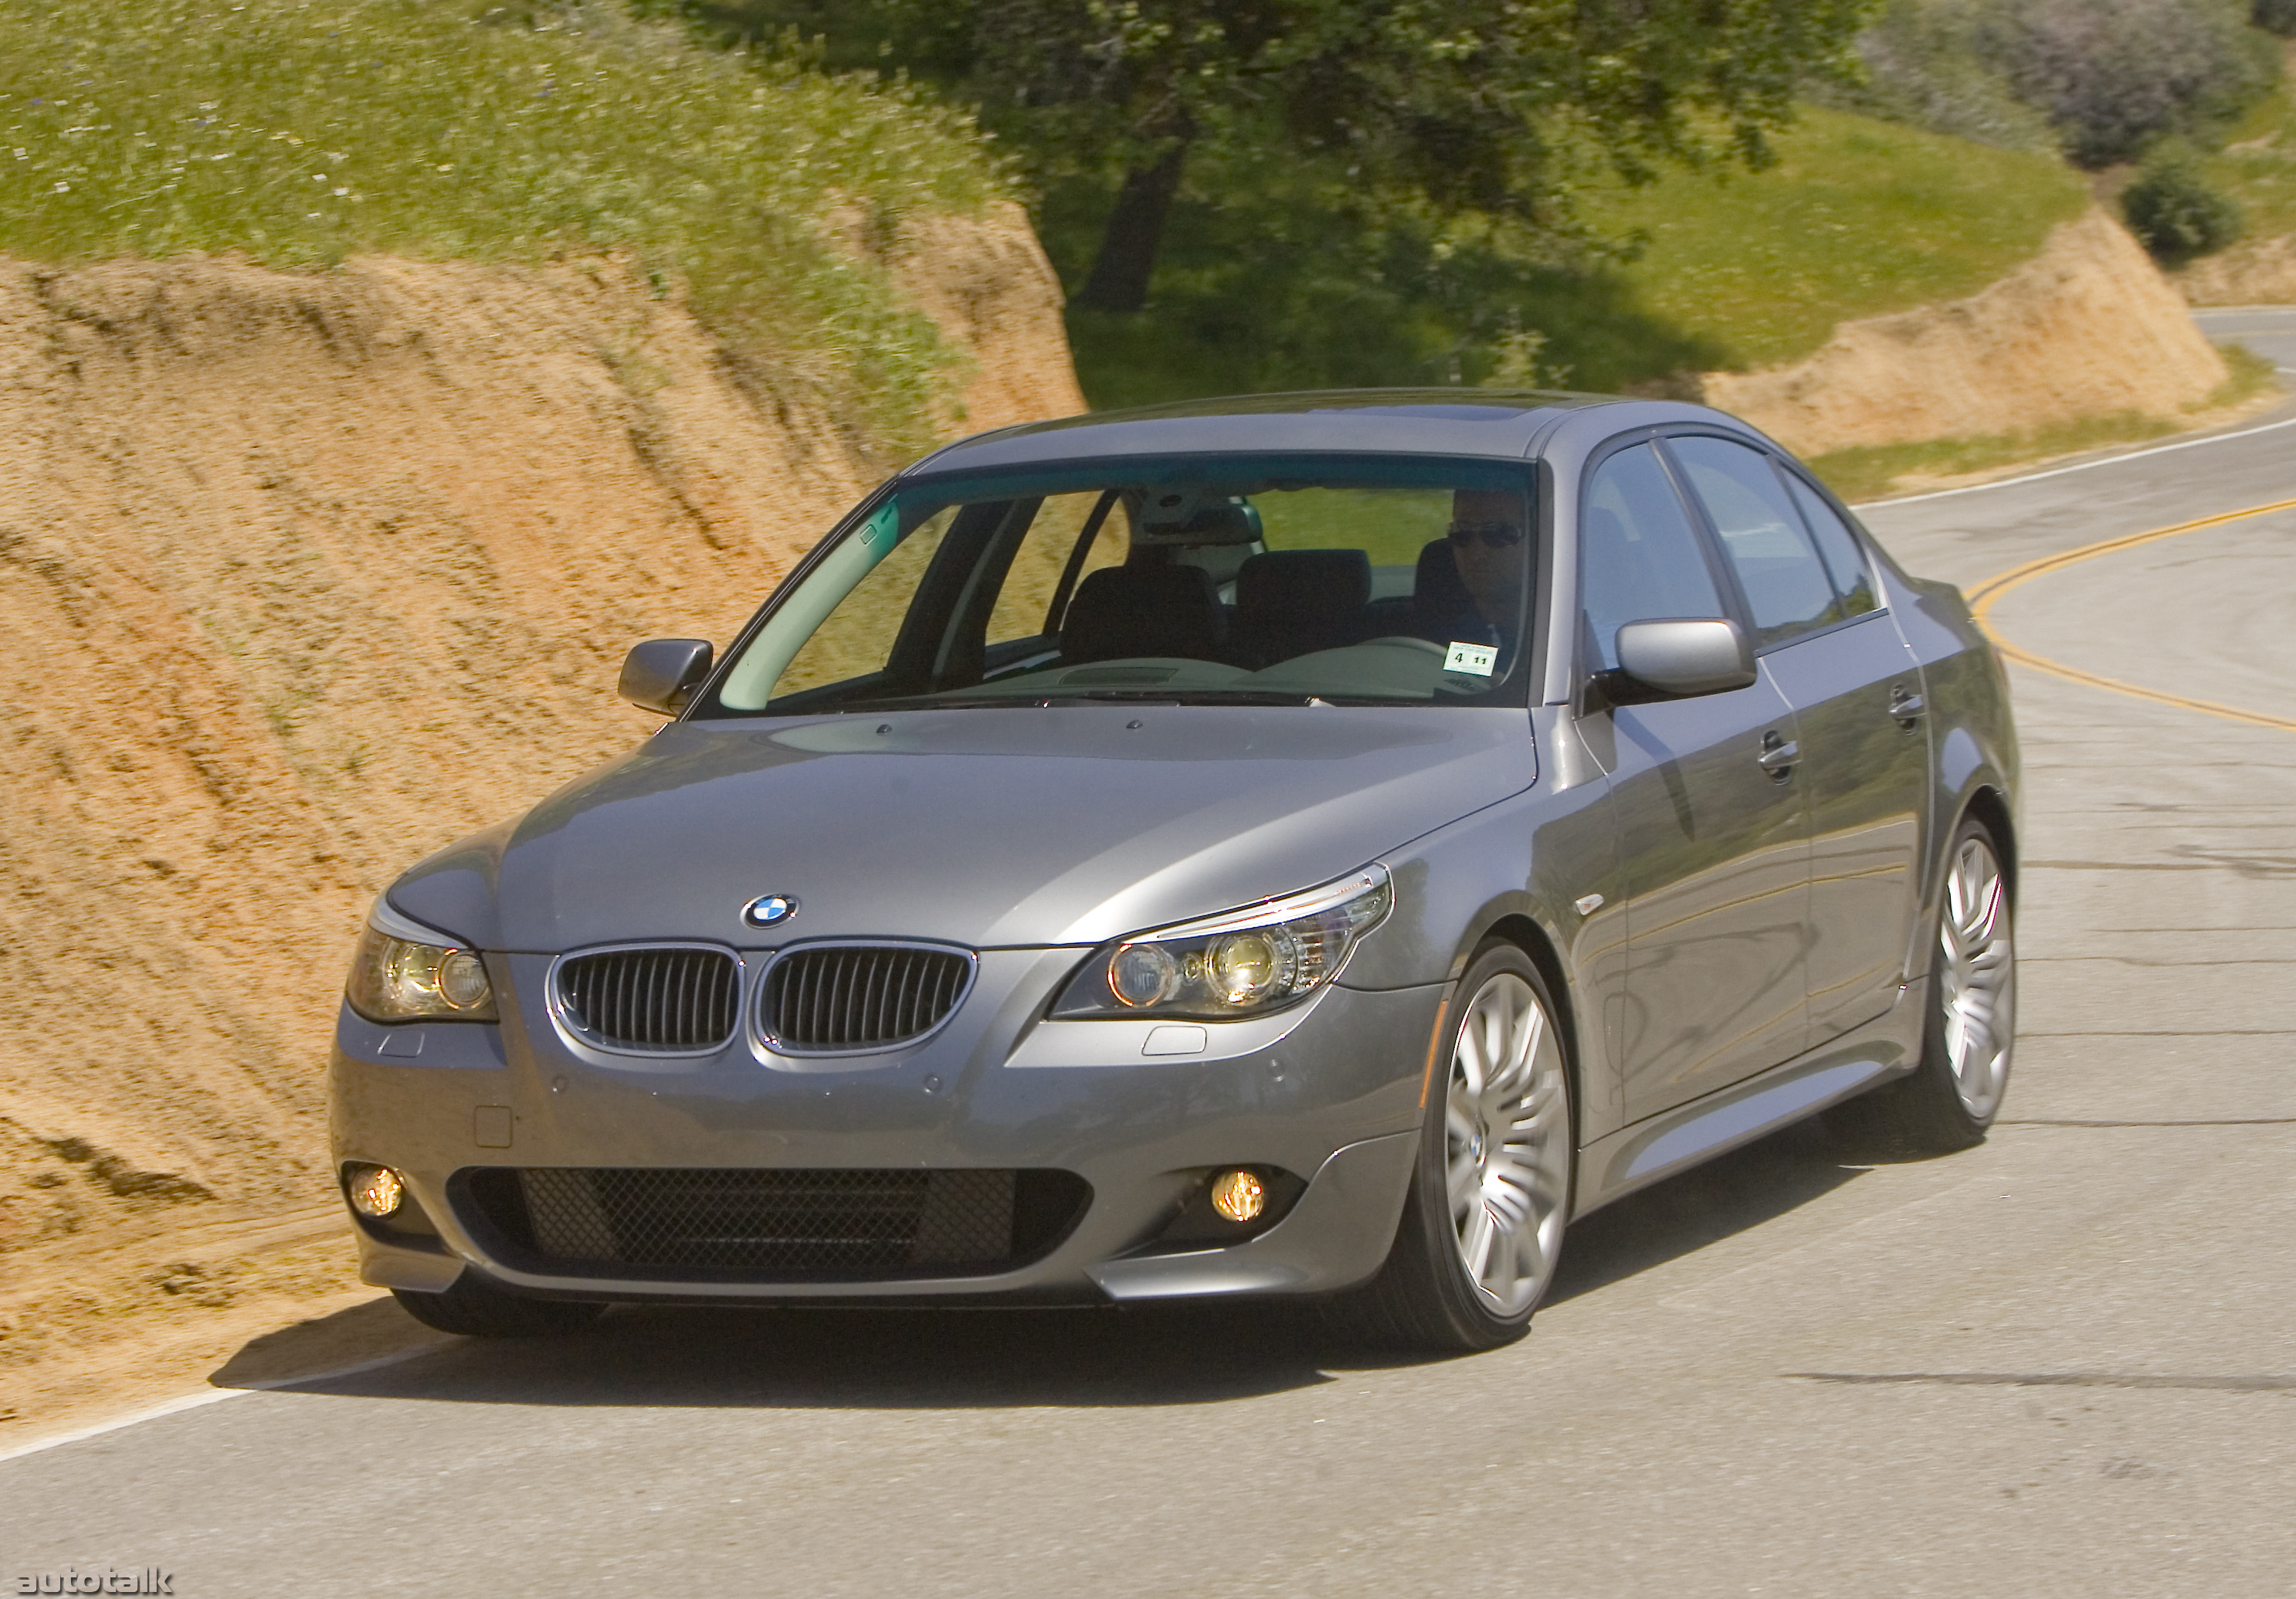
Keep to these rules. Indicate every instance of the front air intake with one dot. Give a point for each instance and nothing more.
(651, 1001)
(834, 998)
(677, 1224)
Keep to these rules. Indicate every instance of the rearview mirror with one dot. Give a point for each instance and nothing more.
(1682, 658)
(661, 673)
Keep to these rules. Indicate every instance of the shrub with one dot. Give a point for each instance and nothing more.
(2274, 16)
(2112, 76)
(1922, 67)
(2174, 208)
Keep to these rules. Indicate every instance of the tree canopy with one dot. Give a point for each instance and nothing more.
(1502, 107)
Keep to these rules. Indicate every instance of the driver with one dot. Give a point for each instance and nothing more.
(1490, 547)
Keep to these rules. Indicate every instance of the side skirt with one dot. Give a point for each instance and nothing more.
(1659, 1146)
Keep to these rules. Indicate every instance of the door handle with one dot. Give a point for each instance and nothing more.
(1906, 706)
(1778, 756)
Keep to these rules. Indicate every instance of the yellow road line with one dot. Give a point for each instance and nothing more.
(1984, 597)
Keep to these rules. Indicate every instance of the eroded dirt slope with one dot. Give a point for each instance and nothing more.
(301, 577)
(2087, 328)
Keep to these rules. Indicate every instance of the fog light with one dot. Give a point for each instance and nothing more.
(1239, 1195)
(376, 1190)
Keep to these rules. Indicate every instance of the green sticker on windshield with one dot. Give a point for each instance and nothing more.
(1474, 660)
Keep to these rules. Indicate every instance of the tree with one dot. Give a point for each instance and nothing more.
(1498, 106)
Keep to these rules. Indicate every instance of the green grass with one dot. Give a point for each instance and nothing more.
(2257, 165)
(1276, 275)
(298, 132)
(1871, 471)
(1859, 218)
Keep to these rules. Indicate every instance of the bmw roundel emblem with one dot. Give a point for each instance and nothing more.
(769, 910)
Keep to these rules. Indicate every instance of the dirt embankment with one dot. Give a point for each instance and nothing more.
(2087, 328)
(301, 577)
(2255, 272)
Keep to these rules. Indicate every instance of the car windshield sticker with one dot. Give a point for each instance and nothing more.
(1475, 659)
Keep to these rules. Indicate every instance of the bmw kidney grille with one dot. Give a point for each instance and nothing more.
(827, 999)
(658, 1001)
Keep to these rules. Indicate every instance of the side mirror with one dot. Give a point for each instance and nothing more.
(661, 673)
(1679, 659)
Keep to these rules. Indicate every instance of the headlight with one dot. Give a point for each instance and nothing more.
(1242, 963)
(403, 972)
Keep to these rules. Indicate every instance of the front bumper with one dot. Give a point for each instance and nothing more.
(1329, 1092)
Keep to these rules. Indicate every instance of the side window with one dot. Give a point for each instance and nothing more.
(858, 637)
(1639, 556)
(1786, 585)
(1845, 560)
(1024, 602)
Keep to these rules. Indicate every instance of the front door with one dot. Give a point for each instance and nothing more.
(1855, 689)
(1713, 836)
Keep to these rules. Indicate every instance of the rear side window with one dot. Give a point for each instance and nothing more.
(1845, 561)
(1639, 558)
(1786, 585)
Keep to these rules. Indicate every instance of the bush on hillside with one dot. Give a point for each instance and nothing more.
(2113, 76)
(2274, 16)
(1922, 68)
(2174, 208)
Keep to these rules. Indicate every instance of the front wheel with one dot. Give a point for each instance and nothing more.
(1482, 1224)
(1951, 1098)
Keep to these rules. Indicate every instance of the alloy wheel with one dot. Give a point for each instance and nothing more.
(1508, 1144)
(1977, 978)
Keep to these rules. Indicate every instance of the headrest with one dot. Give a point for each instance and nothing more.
(1159, 610)
(1319, 583)
(1442, 608)
(1436, 584)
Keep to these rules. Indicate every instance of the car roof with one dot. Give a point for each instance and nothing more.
(1407, 422)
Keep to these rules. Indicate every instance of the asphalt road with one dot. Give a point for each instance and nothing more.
(2056, 1365)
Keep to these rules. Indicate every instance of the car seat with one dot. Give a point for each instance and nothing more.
(1442, 610)
(1122, 611)
(1290, 602)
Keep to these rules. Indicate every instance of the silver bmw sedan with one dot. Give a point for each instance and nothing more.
(1303, 845)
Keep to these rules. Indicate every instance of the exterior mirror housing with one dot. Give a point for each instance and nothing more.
(1681, 657)
(661, 673)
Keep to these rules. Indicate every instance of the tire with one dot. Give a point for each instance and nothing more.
(1951, 1098)
(1482, 1222)
(477, 1309)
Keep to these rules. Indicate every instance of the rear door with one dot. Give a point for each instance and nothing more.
(1823, 639)
(1713, 836)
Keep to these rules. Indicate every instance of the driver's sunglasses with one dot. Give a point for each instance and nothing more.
(1491, 536)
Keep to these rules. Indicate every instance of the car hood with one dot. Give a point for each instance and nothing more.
(988, 827)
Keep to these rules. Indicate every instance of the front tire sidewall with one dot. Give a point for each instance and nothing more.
(1472, 1321)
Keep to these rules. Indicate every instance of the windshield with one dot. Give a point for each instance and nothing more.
(1229, 580)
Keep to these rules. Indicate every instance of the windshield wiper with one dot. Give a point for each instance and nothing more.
(1082, 696)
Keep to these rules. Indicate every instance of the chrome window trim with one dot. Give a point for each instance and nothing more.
(554, 998)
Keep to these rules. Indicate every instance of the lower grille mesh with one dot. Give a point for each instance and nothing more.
(750, 1225)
